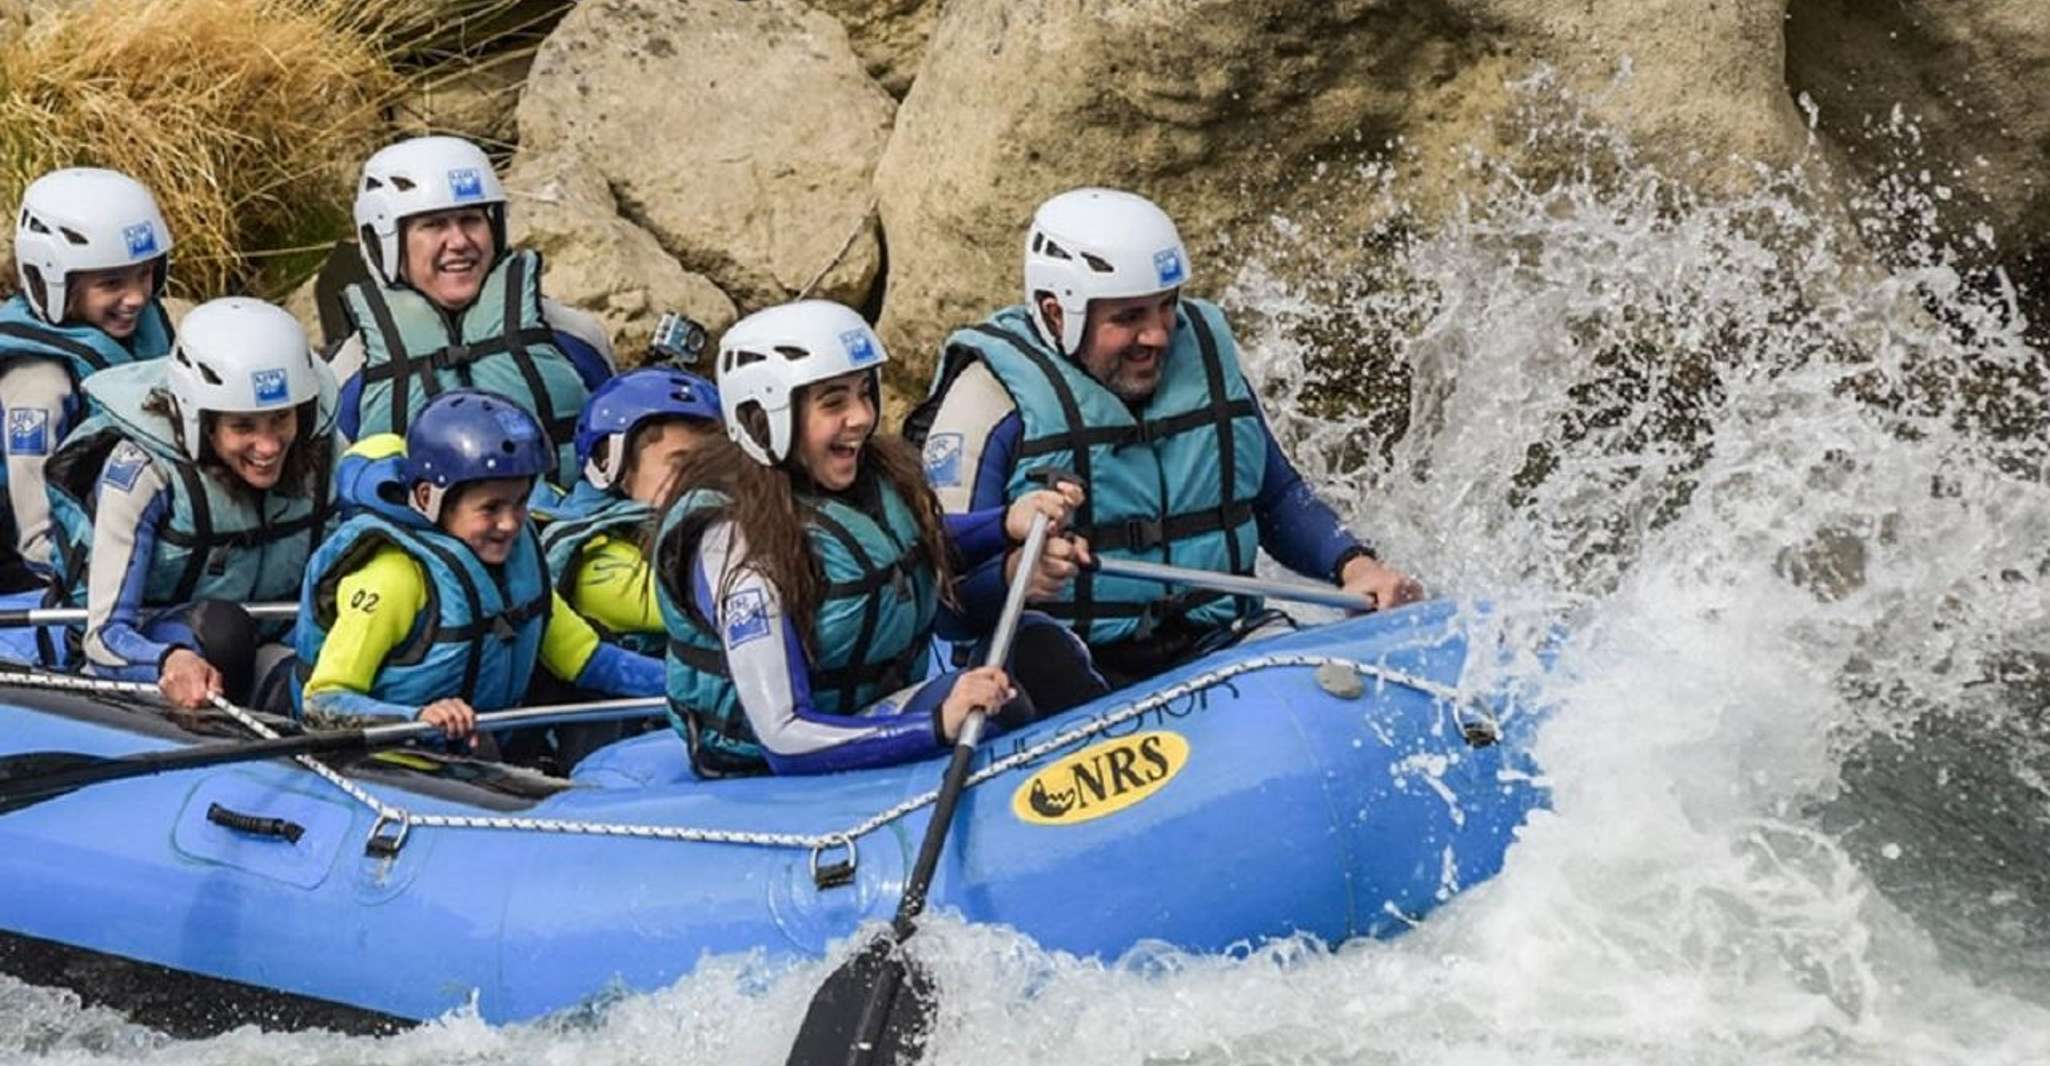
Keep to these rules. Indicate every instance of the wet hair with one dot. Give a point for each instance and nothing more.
(305, 460)
(771, 507)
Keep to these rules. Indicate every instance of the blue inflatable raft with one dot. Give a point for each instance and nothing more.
(1331, 782)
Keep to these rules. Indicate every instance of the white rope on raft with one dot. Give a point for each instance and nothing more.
(403, 821)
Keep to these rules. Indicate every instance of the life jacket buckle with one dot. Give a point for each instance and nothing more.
(453, 356)
(1144, 533)
(502, 628)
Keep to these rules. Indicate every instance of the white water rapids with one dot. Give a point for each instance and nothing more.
(1790, 505)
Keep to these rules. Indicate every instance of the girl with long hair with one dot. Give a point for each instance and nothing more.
(804, 564)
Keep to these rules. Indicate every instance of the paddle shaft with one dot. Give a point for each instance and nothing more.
(1292, 591)
(143, 764)
(64, 616)
(951, 786)
(875, 1012)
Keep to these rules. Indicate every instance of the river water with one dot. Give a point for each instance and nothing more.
(1789, 504)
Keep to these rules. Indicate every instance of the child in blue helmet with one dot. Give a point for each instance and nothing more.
(630, 437)
(433, 601)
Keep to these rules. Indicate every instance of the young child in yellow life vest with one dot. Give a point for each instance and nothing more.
(433, 601)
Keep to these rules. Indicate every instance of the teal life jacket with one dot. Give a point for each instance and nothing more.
(84, 350)
(413, 350)
(480, 634)
(1173, 482)
(219, 540)
(569, 523)
(871, 636)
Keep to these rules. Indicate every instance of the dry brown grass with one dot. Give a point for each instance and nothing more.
(246, 118)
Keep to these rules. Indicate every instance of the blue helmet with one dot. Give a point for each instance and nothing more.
(472, 435)
(624, 402)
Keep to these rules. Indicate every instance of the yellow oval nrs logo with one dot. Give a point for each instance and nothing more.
(1101, 779)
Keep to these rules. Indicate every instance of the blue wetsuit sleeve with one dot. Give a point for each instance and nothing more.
(1301, 531)
(981, 589)
(349, 408)
(771, 674)
(590, 365)
(999, 458)
(979, 535)
(616, 671)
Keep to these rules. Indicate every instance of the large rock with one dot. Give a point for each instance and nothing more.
(1947, 101)
(743, 136)
(476, 102)
(598, 261)
(1234, 112)
(889, 35)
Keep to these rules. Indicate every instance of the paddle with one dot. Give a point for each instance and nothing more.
(32, 777)
(878, 1007)
(1293, 591)
(62, 616)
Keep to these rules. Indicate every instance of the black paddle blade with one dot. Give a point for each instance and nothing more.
(41, 775)
(876, 1010)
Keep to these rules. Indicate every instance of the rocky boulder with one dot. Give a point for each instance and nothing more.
(742, 136)
(1236, 113)
(1945, 101)
(598, 261)
(475, 101)
(889, 35)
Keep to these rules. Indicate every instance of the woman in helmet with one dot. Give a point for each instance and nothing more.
(631, 436)
(90, 250)
(201, 482)
(801, 568)
(433, 601)
(449, 305)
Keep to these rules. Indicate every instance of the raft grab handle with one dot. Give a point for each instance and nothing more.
(836, 874)
(255, 824)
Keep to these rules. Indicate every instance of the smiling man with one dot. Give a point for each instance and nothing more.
(448, 305)
(1110, 372)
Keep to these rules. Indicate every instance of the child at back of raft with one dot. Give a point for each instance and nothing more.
(433, 602)
(92, 254)
(631, 436)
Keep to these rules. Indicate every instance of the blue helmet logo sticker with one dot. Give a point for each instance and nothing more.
(861, 347)
(141, 238)
(271, 387)
(466, 183)
(1167, 263)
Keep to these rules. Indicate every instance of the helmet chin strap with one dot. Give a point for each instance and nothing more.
(431, 510)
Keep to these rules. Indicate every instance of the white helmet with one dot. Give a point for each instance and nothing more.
(84, 218)
(238, 355)
(414, 177)
(1098, 244)
(767, 356)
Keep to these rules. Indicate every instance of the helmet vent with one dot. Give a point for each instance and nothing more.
(73, 236)
(1056, 251)
(506, 446)
(740, 358)
(35, 225)
(402, 184)
(1098, 265)
(207, 372)
(370, 182)
(792, 352)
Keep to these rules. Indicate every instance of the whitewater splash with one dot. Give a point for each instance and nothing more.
(1789, 502)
